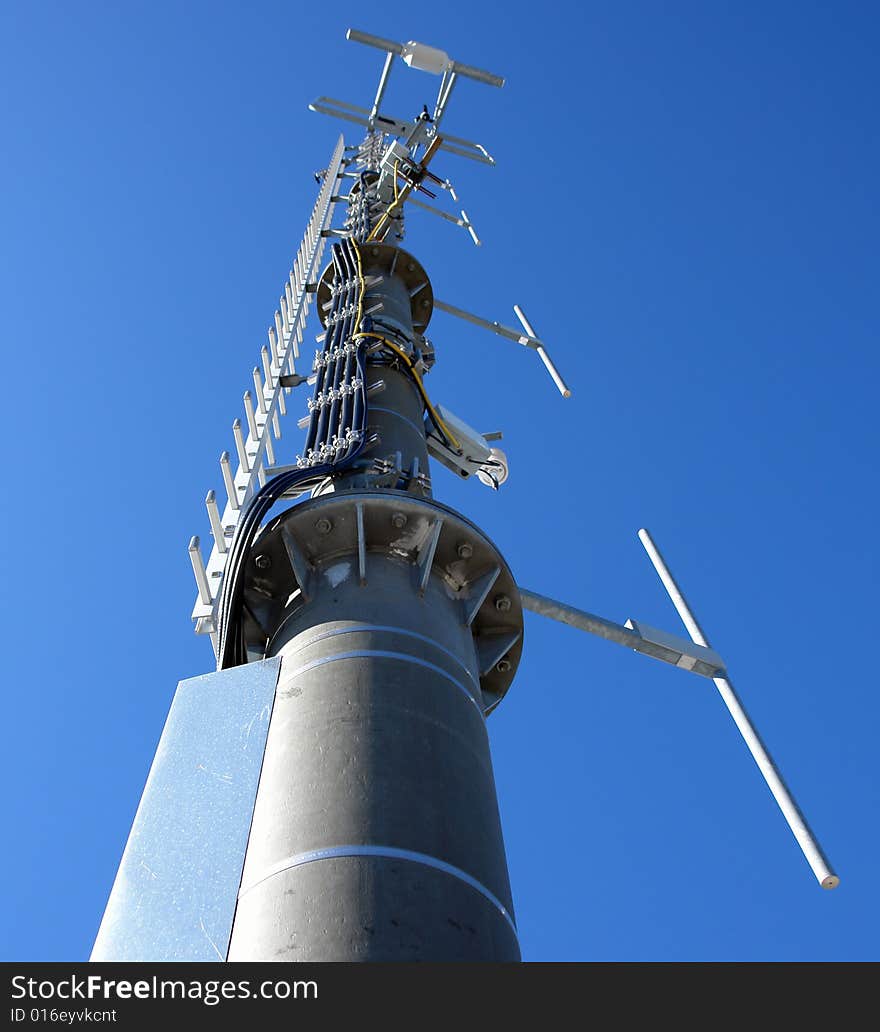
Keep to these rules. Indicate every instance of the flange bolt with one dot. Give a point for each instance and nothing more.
(503, 604)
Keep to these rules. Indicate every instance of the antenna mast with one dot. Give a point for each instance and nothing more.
(363, 631)
(327, 793)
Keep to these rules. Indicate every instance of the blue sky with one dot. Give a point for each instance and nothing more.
(685, 204)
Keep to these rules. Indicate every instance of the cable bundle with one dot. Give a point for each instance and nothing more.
(337, 428)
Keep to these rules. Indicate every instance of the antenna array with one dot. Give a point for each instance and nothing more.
(265, 403)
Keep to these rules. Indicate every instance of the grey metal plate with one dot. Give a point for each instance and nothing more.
(175, 892)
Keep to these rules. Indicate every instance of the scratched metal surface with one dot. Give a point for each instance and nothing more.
(175, 892)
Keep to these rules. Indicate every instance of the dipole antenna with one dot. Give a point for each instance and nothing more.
(790, 810)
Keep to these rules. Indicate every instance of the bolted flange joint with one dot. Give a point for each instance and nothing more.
(450, 561)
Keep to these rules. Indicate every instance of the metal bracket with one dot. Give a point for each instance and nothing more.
(492, 648)
(464, 221)
(529, 340)
(300, 565)
(636, 636)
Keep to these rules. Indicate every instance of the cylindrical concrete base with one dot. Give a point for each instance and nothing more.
(376, 833)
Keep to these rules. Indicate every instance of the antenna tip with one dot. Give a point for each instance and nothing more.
(831, 881)
(566, 394)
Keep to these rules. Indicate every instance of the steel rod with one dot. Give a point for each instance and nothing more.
(228, 480)
(383, 82)
(494, 327)
(251, 418)
(579, 618)
(790, 810)
(267, 367)
(216, 524)
(374, 41)
(239, 446)
(258, 390)
(198, 565)
(545, 358)
(477, 73)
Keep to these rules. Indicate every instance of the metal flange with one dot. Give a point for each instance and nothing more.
(288, 563)
(385, 259)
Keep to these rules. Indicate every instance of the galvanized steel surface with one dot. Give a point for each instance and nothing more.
(175, 891)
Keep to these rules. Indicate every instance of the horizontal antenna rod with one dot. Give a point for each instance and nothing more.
(527, 340)
(374, 41)
(401, 49)
(641, 638)
(790, 810)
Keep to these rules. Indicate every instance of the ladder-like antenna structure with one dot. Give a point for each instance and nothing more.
(265, 403)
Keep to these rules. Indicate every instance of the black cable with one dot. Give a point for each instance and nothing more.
(230, 651)
(230, 647)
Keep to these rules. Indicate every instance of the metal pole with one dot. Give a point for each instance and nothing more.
(790, 810)
(584, 621)
(376, 834)
(561, 385)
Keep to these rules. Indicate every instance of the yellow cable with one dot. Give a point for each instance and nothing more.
(398, 351)
(389, 209)
(406, 359)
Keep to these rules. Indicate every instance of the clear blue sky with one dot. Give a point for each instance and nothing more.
(685, 204)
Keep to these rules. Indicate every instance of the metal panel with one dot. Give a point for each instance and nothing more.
(175, 892)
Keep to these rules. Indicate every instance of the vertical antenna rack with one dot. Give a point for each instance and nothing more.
(363, 633)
